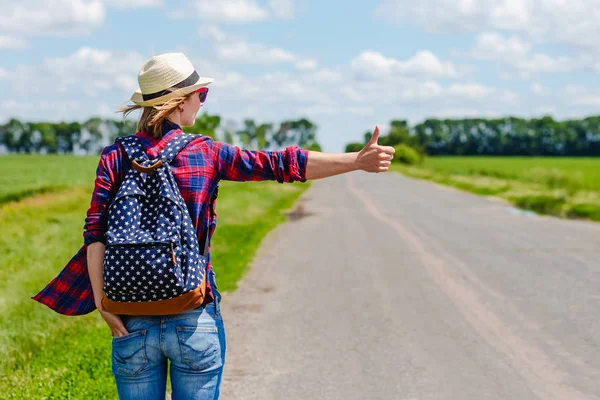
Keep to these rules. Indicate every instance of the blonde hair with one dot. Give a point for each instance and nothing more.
(152, 117)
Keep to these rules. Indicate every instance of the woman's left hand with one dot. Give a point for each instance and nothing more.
(373, 157)
(114, 323)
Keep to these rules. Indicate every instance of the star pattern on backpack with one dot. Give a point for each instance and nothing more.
(152, 250)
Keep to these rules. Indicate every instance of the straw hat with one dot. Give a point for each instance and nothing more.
(164, 73)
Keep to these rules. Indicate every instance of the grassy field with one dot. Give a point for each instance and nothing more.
(44, 355)
(27, 175)
(565, 187)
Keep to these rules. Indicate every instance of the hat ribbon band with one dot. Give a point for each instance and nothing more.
(189, 81)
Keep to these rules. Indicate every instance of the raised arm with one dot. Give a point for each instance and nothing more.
(234, 164)
(297, 164)
(372, 158)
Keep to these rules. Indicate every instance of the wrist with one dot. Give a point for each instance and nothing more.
(356, 166)
(99, 305)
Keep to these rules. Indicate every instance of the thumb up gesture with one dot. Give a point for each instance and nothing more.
(373, 157)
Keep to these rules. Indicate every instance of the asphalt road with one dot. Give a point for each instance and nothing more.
(384, 287)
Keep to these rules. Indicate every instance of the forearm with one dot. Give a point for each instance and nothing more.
(95, 262)
(322, 165)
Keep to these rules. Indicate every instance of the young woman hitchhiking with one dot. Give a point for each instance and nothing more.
(190, 335)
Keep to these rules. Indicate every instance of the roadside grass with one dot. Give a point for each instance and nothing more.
(44, 355)
(26, 175)
(563, 187)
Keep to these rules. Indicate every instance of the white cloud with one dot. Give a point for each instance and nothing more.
(329, 110)
(56, 18)
(422, 91)
(464, 113)
(177, 14)
(571, 22)
(589, 100)
(306, 65)
(477, 92)
(230, 80)
(134, 3)
(267, 88)
(283, 9)
(239, 11)
(10, 104)
(545, 63)
(105, 111)
(396, 90)
(515, 52)
(374, 65)
(544, 110)
(274, 88)
(234, 49)
(493, 46)
(351, 93)
(30, 110)
(11, 42)
(86, 71)
(537, 88)
(213, 32)
(472, 91)
(253, 53)
(326, 75)
(582, 95)
(236, 11)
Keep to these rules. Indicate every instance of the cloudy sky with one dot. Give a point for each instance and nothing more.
(346, 68)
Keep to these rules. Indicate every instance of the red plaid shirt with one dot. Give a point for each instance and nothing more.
(197, 169)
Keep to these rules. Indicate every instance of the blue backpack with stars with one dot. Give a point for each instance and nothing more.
(152, 254)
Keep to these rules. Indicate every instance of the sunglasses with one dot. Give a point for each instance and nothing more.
(203, 94)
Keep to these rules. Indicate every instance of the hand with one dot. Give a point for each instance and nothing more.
(114, 323)
(373, 157)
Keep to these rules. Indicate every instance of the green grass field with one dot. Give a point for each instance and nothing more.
(564, 187)
(44, 355)
(27, 175)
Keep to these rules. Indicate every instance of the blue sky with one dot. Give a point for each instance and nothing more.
(346, 66)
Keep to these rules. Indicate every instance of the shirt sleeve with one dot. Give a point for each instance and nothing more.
(109, 175)
(234, 164)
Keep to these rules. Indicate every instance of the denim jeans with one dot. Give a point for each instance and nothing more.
(193, 342)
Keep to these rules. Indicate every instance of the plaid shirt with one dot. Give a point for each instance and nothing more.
(197, 169)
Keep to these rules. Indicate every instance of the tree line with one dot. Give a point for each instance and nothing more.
(504, 136)
(91, 136)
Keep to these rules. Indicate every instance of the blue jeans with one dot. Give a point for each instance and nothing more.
(194, 342)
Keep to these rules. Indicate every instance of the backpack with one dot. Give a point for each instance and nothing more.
(152, 252)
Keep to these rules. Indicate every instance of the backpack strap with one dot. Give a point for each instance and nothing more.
(134, 148)
(175, 145)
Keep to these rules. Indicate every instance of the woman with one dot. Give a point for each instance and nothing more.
(170, 95)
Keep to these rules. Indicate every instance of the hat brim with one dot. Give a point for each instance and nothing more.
(138, 99)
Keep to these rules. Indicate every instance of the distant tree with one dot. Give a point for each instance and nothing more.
(254, 136)
(398, 134)
(368, 135)
(12, 132)
(354, 147)
(301, 132)
(93, 133)
(44, 137)
(25, 140)
(205, 125)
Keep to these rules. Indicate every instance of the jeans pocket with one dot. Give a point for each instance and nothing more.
(129, 353)
(199, 346)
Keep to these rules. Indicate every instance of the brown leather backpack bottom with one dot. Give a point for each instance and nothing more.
(188, 301)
